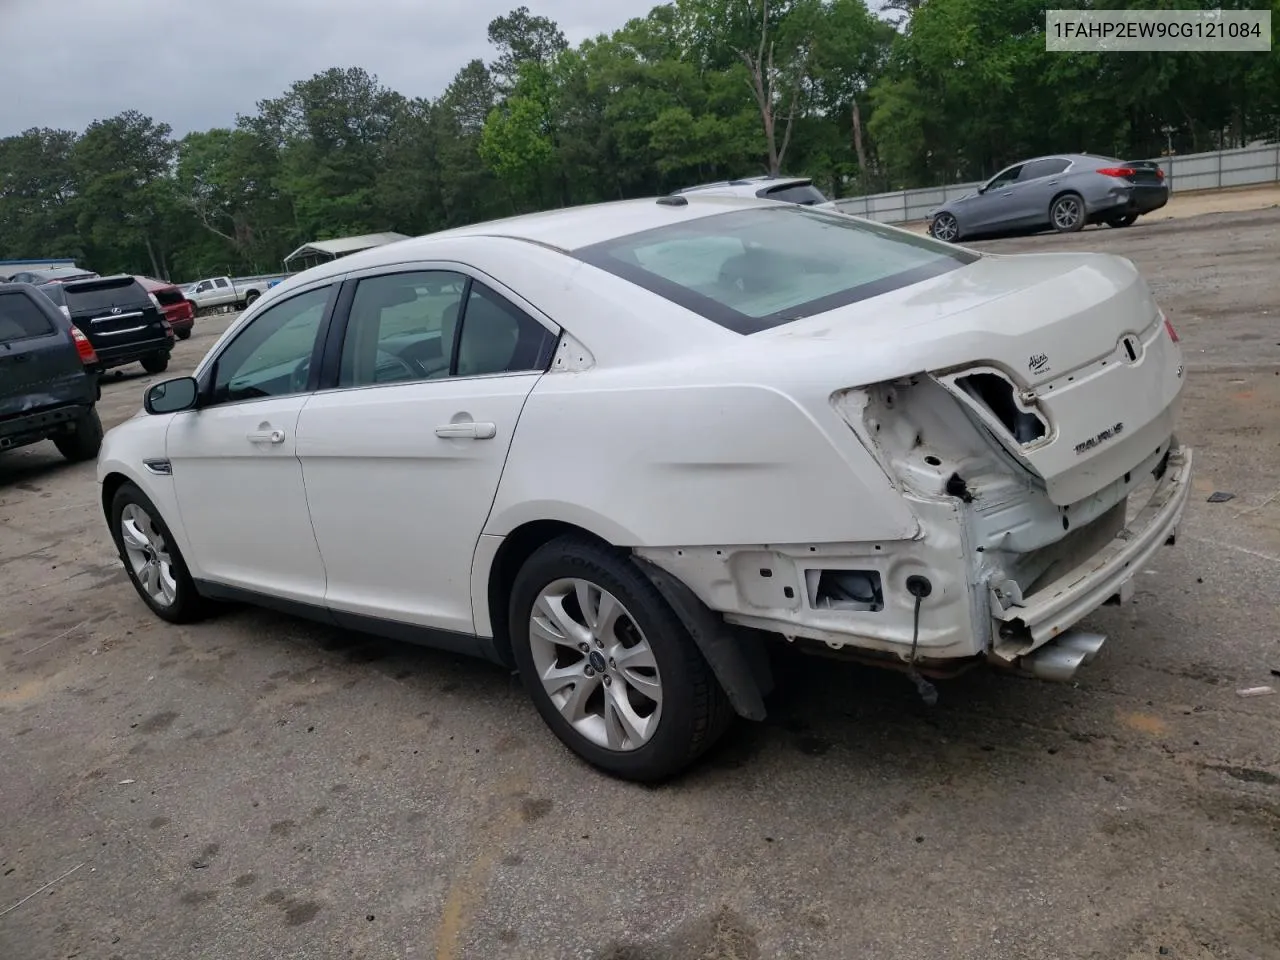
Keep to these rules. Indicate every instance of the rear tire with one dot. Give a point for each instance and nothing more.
(631, 695)
(1125, 221)
(156, 363)
(250, 297)
(1066, 213)
(151, 558)
(183, 334)
(85, 443)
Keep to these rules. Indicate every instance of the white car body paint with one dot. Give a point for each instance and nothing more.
(742, 465)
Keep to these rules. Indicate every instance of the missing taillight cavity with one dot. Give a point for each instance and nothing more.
(996, 394)
(845, 590)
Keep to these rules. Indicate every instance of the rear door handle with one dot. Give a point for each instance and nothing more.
(468, 430)
(266, 436)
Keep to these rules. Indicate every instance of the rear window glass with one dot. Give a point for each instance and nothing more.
(105, 294)
(805, 194)
(20, 319)
(750, 270)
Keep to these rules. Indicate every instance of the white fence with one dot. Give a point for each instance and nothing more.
(1194, 171)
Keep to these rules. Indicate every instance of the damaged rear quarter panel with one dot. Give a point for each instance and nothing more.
(679, 455)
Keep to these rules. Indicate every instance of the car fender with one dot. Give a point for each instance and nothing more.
(126, 451)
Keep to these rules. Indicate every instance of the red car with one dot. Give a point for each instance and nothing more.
(176, 307)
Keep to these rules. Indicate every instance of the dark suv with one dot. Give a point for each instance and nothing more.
(121, 319)
(47, 387)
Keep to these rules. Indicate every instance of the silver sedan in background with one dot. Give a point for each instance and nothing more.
(1062, 192)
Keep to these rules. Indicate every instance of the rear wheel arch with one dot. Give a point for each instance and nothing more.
(1068, 192)
(737, 658)
(517, 547)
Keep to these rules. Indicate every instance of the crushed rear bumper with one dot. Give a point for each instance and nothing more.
(1033, 620)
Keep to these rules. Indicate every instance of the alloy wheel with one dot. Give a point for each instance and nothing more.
(595, 664)
(945, 228)
(1066, 213)
(148, 555)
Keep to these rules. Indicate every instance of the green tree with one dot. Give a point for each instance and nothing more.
(38, 195)
(125, 194)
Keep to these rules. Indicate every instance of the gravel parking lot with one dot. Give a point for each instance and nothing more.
(258, 786)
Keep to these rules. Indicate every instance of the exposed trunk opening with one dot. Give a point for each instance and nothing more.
(996, 394)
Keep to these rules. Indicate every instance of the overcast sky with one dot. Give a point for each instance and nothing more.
(195, 64)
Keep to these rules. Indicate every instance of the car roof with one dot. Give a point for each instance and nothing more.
(54, 273)
(1073, 157)
(565, 230)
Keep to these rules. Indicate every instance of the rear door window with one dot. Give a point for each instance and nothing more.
(20, 319)
(401, 327)
(1036, 169)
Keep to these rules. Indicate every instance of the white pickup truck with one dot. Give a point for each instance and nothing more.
(233, 293)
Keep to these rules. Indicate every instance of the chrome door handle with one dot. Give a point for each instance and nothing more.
(468, 430)
(266, 436)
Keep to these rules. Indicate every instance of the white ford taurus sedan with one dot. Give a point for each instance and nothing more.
(621, 448)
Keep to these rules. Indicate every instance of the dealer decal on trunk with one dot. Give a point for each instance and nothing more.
(1108, 434)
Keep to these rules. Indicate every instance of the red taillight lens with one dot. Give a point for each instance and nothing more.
(1173, 334)
(83, 347)
(1159, 174)
(1116, 171)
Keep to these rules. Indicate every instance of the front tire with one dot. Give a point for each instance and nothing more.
(156, 363)
(1066, 213)
(945, 227)
(151, 558)
(609, 665)
(85, 442)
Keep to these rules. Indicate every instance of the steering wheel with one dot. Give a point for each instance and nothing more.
(301, 373)
(391, 368)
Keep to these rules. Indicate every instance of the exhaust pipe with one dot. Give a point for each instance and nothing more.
(1059, 659)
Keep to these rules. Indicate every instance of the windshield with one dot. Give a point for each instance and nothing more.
(750, 270)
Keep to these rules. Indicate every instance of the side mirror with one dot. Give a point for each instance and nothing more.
(171, 395)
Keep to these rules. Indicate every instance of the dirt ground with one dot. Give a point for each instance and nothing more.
(257, 786)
